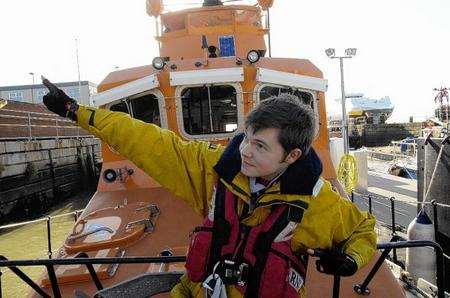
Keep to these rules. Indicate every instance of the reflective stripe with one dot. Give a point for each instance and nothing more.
(287, 232)
(318, 187)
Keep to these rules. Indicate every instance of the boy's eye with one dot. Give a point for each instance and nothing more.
(259, 146)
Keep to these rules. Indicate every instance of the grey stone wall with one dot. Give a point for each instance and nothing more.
(372, 135)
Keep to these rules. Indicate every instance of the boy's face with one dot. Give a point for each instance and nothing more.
(262, 154)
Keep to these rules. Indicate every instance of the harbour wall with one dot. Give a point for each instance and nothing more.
(36, 174)
(372, 135)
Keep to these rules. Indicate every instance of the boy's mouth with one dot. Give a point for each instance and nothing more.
(247, 164)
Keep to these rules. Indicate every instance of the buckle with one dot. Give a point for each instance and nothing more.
(235, 274)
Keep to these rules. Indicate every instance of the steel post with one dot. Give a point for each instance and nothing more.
(49, 238)
(344, 110)
(440, 280)
(336, 286)
(56, 126)
(53, 280)
(20, 274)
(29, 127)
(92, 272)
(394, 251)
(435, 219)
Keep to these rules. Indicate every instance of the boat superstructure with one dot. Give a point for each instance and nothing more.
(213, 68)
(369, 110)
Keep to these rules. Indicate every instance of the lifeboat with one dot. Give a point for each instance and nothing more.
(213, 68)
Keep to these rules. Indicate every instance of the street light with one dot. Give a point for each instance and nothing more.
(349, 53)
(32, 87)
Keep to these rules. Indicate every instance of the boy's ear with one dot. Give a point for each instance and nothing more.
(293, 156)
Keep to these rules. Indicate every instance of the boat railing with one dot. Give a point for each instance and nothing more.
(397, 242)
(48, 219)
(83, 259)
(80, 259)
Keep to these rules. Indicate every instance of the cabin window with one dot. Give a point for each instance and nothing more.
(120, 107)
(268, 91)
(146, 108)
(209, 109)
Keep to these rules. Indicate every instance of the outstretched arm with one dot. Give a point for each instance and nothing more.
(185, 168)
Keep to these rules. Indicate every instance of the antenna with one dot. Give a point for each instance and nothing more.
(78, 68)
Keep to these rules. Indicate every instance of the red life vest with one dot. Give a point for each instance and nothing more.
(257, 260)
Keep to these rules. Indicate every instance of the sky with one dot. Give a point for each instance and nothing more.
(403, 45)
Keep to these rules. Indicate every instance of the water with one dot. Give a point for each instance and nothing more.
(30, 242)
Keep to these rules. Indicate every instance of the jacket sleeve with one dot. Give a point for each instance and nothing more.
(355, 232)
(184, 168)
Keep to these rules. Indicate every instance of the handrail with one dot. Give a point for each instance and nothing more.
(60, 119)
(25, 112)
(83, 259)
(24, 223)
(50, 137)
(35, 125)
(93, 261)
(30, 126)
(363, 289)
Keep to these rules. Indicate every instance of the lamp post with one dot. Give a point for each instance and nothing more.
(32, 87)
(349, 53)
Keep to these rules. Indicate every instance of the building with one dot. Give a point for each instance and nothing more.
(81, 91)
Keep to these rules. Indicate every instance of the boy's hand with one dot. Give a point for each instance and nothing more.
(58, 102)
(334, 262)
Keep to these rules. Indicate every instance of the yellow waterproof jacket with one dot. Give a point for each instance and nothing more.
(187, 170)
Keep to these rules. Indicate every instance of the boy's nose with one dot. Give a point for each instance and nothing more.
(245, 150)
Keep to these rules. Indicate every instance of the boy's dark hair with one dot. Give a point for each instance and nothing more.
(295, 120)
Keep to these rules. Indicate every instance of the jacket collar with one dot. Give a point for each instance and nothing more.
(299, 178)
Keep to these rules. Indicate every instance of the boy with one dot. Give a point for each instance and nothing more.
(264, 202)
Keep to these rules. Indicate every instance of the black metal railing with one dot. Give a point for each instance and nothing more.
(80, 259)
(83, 259)
(48, 221)
(397, 242)
(363, 288)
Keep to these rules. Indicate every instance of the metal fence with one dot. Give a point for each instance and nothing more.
(58, 125)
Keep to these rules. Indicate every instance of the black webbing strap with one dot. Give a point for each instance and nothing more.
(263, 245)
(91, 118)
(221, 228)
